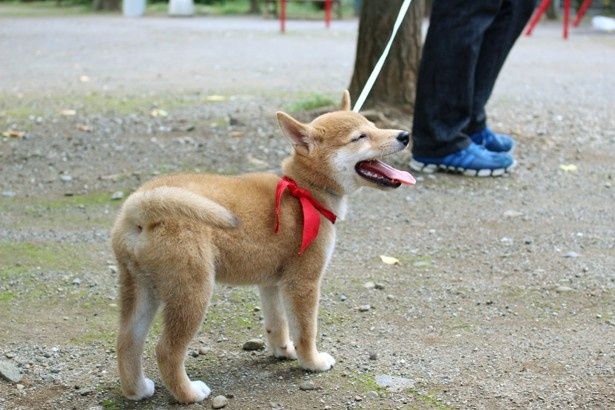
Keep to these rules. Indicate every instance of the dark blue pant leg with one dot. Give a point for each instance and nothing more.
(497, 43)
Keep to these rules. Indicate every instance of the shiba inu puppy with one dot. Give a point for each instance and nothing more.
(178, 234)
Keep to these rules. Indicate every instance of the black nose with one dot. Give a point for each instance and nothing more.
(404, 137)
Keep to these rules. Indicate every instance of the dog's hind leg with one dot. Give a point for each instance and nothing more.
(301, 303)
(276, 324)
(183, 316)
(138, 308)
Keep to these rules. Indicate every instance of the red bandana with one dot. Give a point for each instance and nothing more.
(310, 207)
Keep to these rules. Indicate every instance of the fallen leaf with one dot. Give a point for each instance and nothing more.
(13, 134)
(389, 260)
(84, 78)
(568, 167)
(215, 98)
(157, 112)
(68, 112)
(84, 128)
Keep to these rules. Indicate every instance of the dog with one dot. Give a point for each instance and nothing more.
(178, 234)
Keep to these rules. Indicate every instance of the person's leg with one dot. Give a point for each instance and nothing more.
(497, 43)
(445, 86)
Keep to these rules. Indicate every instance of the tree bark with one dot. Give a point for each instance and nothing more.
(106, 4)
(255, 8)
(395, 87)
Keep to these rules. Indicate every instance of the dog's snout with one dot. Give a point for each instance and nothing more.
(404, 137)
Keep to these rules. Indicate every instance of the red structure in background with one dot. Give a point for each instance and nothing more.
(544, 5)
(283, 14)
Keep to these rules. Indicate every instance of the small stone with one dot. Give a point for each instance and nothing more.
(358, 398)
(307, 385)
(394, 383)
(117, 195)
(390, 297)
(66, 178)
(372, 394)
(204, 350)
(369, 285)
(76, 281)
(364, 308)
(571, 254)
(219, 402)
(9, 371)
(9, 355)
(257, 309)
(194, 353)
(379, 286)
(512, 213)
(113, 269)
(254, 344)
(373, 356)
(20, 387)
(563, 289)
(8, 194)
(343, 297)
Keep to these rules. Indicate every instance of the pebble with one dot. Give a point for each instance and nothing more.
(394, 383)
(563, 289)
(117, 195)
(254, 344)
(571, 255)
(9, 371)
(372, 394)
(113, 269)
(8, 194)
(343, 297)
(390, 297)
(307, 385)
(379, 286)
(373, 356)
(364, 308)
(66, 178)
(369, 285)
(512, 213)
(76, 281)
(219, 402)
(204, 350)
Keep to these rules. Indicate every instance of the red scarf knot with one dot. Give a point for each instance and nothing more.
(309, 206)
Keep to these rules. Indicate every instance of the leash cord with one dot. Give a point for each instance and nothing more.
(378, 67)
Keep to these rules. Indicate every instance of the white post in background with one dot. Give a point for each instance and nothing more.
(133, 8)
(181, 8)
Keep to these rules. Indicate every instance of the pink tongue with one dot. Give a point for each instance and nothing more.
(390, 172)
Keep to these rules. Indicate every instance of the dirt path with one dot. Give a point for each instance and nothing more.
(505, 292)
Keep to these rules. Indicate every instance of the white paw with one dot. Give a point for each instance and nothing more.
(201, 390)
(321, 363)
(288, 353)
(145, 388)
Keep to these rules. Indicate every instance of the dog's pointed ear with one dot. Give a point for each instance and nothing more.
(346, 101)
(297, 132)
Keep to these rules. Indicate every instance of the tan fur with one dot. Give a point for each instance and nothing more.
(179, 234)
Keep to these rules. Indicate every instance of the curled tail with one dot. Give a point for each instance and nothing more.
(147, 207)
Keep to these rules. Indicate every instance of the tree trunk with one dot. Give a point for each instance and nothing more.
(255, 8)
(394, 89)
(106, 4)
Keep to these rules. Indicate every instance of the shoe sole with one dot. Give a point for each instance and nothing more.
(431, 168)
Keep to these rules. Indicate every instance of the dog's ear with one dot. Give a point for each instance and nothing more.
(297, 132)
(346, 101)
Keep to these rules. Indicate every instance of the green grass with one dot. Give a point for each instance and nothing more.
(310, 102)
(6, 296)
(17, 258)
(42, 9)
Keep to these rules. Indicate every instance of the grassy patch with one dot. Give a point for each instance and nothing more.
(42, 9)
(6, 296)
(429, 399)
(365, 382)
(22, 257)
(310, 102)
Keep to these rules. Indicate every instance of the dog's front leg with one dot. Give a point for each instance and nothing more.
(276, 324)
(301, 302)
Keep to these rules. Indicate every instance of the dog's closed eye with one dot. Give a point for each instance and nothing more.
(360, 137)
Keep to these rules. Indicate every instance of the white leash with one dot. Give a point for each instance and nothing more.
(376, 71)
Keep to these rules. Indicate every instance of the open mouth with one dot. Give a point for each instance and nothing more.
(383, 174)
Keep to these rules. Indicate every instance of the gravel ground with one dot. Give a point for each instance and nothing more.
(504, 295)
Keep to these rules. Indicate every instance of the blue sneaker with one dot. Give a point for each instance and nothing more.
(475, 160)
(492, 141)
